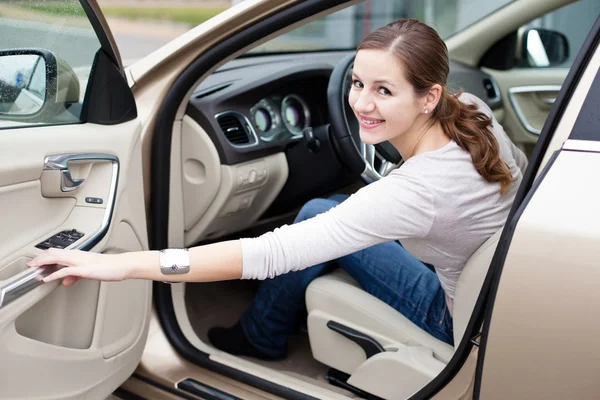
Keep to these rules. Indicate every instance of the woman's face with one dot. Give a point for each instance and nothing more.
(383, 101)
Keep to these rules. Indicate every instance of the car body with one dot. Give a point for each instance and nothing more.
(203, 140)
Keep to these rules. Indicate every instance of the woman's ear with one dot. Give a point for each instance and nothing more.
(432, 98)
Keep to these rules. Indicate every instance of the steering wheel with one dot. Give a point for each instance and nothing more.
(373, 162)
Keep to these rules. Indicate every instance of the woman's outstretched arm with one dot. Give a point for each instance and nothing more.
(214, 262)
(397, 207)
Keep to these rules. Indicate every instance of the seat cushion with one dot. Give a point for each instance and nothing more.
(338, 295)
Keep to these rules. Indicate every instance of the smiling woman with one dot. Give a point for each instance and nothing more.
(242, 168)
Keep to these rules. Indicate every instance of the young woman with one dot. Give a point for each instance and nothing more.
(452, 193)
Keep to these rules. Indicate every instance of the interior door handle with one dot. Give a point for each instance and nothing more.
(67, 182)
(61, 162)
(549, 101)
(19, 285)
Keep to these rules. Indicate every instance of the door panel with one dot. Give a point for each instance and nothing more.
(542, 338)
(91, 332)
(527, 94)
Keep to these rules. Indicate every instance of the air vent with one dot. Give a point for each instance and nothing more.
(236, 129)
(490, 89)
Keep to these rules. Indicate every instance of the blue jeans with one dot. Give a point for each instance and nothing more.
(386, 271)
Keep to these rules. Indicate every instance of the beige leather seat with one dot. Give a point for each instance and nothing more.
(412, 357)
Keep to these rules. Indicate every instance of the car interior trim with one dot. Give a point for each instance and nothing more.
(102, 105)
(528, 184)
(160, 173)
(205, 391)
(22, 284)
(126, 395)
(513, 91)
(165, 388)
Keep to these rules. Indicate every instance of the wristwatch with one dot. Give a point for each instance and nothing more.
(174, 261)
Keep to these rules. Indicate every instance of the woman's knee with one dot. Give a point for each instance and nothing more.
(339, 197)
(314, 207)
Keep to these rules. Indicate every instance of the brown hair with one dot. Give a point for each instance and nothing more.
(424, 56)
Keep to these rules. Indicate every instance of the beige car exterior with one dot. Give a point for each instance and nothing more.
(52, 346)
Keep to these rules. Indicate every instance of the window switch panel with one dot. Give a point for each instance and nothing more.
(60, 240)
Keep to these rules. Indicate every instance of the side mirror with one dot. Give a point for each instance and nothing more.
(35, 85)
(543, 48)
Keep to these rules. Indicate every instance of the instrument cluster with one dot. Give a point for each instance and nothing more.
(277, 117)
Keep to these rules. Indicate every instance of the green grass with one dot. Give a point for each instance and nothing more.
(71, 9)
(187, 15)
(191, 16)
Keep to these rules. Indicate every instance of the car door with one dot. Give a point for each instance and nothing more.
(531, 64)
(540, 335)
(70, 177)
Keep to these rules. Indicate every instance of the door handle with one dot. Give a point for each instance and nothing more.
(17, 286)
(549, 101)
(67, 182)
(61, 162)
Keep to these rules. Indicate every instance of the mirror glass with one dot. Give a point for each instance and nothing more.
(545, 48)
(22, 84)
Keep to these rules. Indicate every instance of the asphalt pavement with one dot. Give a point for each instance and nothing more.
(77, 45)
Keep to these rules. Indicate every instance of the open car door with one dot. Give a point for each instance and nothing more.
(70, 177)
(539, 340)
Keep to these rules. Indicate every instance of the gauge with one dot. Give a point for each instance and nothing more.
(263, 120)
(295, 114)
(266, 120)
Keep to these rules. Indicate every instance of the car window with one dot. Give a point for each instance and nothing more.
(573, 21)
(38, 36)
(344, 30)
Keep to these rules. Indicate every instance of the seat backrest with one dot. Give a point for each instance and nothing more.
(469, 285)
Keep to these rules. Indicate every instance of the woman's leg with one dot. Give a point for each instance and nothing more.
(264, 328)
(390, 273)
(387, 271)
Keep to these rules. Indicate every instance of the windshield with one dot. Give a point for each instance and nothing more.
(345, 29)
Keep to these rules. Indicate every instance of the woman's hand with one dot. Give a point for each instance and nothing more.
(82, 264)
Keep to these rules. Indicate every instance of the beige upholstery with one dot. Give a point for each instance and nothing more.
(337, 297)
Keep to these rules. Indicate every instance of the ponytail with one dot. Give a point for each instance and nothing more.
(469, 128)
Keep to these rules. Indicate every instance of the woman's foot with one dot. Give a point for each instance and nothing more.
(234, 341)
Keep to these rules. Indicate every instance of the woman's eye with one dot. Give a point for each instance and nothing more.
(357, 84)
(384, 91)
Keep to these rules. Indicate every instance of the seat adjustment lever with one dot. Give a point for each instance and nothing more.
(367, 343)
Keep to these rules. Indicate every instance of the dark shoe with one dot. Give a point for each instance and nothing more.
(233, 341)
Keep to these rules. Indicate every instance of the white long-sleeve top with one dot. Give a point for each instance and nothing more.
(436, 204)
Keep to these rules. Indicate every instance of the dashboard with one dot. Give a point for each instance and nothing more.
(256, 106)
